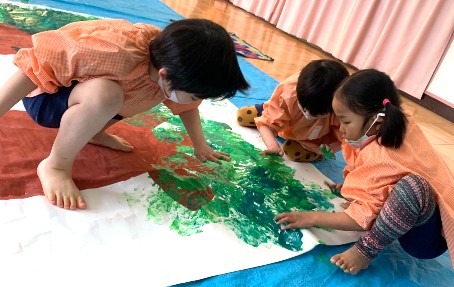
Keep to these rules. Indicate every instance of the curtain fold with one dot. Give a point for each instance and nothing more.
(406, 38)
(262, 9)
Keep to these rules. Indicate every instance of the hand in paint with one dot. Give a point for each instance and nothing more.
(327, 151)
(205, 152)
(334, 187)
(273, 150)
(294, 219)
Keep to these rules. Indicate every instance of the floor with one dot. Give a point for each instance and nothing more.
(291, 54)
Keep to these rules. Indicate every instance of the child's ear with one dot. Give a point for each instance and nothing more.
(380, 117)
(162, 73)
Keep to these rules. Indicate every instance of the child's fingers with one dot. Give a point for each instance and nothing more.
(345, 205)
(289, 226)
(201, 157)
(281, 221)
(334, 187)
(223, 156)
(217, 157)
(280, 216)
(269, 151)
(331, 185)
(327, 151)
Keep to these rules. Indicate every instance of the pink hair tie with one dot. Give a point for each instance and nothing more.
(385, 102)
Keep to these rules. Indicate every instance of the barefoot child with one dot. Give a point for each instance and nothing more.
(398, 187)
(85, 76)
(300, 112)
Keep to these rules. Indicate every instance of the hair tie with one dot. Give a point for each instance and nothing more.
(385, 102)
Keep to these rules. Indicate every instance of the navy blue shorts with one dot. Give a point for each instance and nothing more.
(48, 109)
(425, 241)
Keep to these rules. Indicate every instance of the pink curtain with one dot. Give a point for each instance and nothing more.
(405, 38)
(268, 10)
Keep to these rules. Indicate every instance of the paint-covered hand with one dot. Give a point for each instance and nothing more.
(334, 187)
(273, 150)
(205, 152)
(327, 151)
(294, 219)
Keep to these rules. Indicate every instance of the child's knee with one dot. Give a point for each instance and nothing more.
(415, 191)
(245, 116)
(106, 94)
(415, 186)
(295, 152)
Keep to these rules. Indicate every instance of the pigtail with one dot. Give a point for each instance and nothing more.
(394, 125)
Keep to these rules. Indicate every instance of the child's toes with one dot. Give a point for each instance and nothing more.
(81, 204)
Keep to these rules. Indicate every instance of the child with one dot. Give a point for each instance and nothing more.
(300, 112)
(397, 186)
(85, 76)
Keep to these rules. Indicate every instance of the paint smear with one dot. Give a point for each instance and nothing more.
(244, 194)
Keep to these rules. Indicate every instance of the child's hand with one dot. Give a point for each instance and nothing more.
(276, 150)
(294, 219)
(205, 153)
(334, 187)
(327, 151)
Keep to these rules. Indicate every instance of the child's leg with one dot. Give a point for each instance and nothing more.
(14, 89)
(245, 115)
(92, 105)
(103, 138)
(296, 152)
(425, 241)
(411, 204)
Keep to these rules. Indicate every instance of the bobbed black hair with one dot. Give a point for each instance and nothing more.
(369, 92)
(316, 85)
(199, 57)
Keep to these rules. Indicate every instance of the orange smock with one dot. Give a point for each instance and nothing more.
(283, 116)
(110, 49)
(372, 172)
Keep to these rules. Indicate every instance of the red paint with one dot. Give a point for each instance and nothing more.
(13, 39)
(24, 144)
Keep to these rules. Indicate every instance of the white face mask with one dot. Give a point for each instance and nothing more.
(365, 139)
(308, 115)
(173, 94)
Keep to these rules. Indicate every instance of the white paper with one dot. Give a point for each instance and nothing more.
(113, 244)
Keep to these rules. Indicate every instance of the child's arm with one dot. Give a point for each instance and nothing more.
(337, 220)
(191, 121)
(270, 141)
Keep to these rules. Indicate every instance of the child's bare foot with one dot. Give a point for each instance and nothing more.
(59, 187)
(351, 261)
(111, 141)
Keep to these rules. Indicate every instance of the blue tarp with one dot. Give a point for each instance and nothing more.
(393, 267)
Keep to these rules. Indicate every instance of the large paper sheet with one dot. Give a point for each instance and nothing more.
(118, 241)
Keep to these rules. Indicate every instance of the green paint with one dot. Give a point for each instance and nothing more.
(291, 239)
(328, 154)
(37, 19)
(248, 191)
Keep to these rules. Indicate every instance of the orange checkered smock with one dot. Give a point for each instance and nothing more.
(110, 49)
(282, 114)
(372, 172)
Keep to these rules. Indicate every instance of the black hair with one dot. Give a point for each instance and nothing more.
(200, 58)
(369, 92)
(316, 85)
